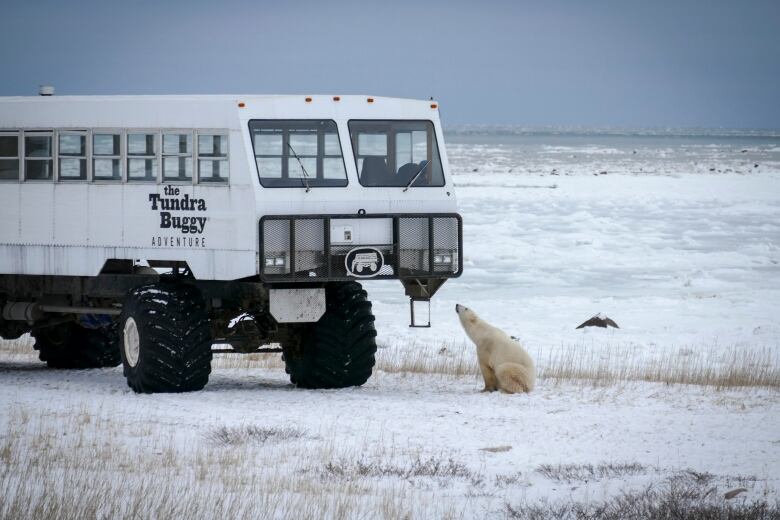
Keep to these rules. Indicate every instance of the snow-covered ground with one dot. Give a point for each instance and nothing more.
(431, 446)
(686, 260)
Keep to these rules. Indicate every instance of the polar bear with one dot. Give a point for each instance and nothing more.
(505, 365)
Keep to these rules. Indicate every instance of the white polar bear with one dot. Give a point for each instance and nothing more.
(505, 365)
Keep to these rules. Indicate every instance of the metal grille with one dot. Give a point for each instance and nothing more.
(446, 245)
(276, 247)
(423, 246)
(309, 253)
(413, 246)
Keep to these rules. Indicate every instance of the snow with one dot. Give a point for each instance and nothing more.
(676, 260)
(396, 418)
(685, 260)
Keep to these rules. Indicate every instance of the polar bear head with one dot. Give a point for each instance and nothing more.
(476, 329)
(464, 313)
(462, 310)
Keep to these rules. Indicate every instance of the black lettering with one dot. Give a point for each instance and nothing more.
(201, 205)
(165, 220)
(153, 198)
(201, 221)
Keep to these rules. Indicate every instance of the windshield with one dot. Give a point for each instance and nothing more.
(393, 153)
(298, 154)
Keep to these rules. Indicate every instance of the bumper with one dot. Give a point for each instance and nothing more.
(309, 248)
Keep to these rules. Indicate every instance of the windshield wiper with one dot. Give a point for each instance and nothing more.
(305, 177)
(417, 174)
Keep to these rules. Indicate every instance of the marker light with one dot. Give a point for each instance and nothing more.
(241, 104)
(442, 259)
(434, 105)
(308, 100)
(336, 98)
(370, 100)
(274, 261)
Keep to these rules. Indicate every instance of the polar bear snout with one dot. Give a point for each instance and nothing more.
(460, 308)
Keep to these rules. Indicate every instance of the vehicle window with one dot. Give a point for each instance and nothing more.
(177, 157)
(38, 155)
(106, 157)
(72, 162)
(9, 156)
(212, 158)
(297, 154)
(141, 157)
(396, 153)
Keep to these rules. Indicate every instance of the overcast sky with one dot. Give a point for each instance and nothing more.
(592, 63)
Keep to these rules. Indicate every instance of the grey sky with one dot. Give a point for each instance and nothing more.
(618, 63)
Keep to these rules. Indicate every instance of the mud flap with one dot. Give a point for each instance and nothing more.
(297, 305)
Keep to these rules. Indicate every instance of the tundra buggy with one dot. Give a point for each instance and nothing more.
(152, 231)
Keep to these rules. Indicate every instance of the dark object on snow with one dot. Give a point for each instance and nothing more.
(734, 493)
(599, 320)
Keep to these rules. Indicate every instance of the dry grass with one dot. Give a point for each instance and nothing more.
(77, 465)
(714, 366)
(234, 435)
(680, 496)
(586, 472)
(432, 467)
(446, 358)
(18, 349)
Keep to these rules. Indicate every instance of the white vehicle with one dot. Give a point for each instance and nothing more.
(363, 260)
(150, 230)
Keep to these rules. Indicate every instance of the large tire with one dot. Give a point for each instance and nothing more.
(70, 345)
(165, 339)
(338, 350)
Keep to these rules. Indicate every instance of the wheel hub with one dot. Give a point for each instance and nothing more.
(132, 342)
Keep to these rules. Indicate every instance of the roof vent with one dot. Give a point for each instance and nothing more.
(45, 90)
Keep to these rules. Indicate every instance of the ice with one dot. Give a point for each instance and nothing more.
(685, 258)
